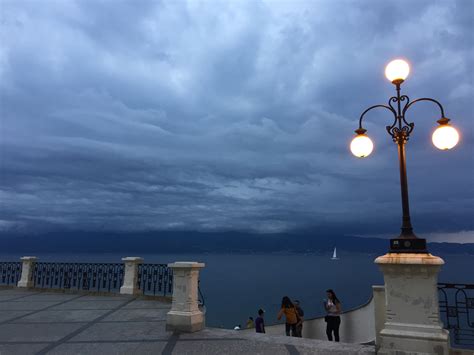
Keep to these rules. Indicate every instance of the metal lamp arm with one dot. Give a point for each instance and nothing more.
(372, 107)
(423, 99)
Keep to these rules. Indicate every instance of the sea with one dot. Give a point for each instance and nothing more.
(235, 286)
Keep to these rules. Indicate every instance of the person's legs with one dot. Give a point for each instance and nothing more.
(299, 331)
(337, 323)
(287, 329)
(329, 329)
(293, 329)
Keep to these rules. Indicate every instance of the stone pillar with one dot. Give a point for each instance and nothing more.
(130, 286)
(412, 324)
(379, 311)
(27, 271)
(185, 315)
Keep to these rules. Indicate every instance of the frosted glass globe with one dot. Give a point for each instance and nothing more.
(397, 70)
(362, 146)
(445, 137)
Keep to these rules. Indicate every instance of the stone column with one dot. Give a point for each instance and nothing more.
(379, 311)
(130, 286)
(412, 324)
(27, 271)
(185, 315)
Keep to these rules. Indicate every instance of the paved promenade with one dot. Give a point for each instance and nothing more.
(34, 322)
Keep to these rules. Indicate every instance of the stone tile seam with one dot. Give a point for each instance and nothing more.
(81, 329)
(111, 307)
(19, 342)
(85, 321)
(155, 340)
(170, 345)
(85, 309)
(17, 298)
(292, 350)
(39, 310)
(58, 299)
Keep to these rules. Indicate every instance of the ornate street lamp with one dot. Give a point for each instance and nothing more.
(444, 137)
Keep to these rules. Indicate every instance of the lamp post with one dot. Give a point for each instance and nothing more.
(444, 137)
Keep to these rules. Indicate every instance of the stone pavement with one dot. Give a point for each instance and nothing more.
(38, 322)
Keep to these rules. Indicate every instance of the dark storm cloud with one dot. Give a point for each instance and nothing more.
(217, 115)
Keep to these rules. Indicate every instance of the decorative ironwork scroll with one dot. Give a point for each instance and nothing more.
(456, 305)
(10, 272)
(105, 277)
(155, 279)
(201, 300)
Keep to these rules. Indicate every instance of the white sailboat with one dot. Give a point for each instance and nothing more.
(334, 255)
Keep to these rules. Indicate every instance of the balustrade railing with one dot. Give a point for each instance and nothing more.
(105, 277)
(149, 279)
(10, 272)
(456, 303)
(201, 300)
(155, 279)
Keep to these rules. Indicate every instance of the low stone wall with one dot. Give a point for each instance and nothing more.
(357, 326)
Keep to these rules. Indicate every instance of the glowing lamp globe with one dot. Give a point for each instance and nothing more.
(397, 71)
(362, 146)
(445, 136)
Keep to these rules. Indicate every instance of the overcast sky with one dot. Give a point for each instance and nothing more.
(230, 115)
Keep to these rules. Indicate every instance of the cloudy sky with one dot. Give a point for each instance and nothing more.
(230, 115)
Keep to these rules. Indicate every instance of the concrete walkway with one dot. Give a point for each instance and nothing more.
(34, 322)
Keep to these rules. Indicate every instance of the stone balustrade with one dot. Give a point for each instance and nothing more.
(132, 277)
(403, 314)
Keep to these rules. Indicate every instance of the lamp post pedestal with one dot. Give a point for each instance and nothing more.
(412, 323)
(185, 314)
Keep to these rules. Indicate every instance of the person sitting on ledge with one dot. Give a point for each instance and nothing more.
(249, 324)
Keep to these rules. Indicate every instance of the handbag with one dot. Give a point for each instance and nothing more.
(326, 319)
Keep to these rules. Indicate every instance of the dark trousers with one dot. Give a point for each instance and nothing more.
(333, 326)
(291, 327)
(299, 330)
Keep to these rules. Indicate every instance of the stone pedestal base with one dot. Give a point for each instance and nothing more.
(124, 290)
(26, 284)
(411, 341)
(130, 286)
(412, 324)
(27, 271)
(188, 322)
(185, 315)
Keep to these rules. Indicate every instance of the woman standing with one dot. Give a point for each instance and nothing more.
(333, 319)
(289, 310)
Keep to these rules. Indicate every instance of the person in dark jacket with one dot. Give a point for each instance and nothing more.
(299, 325)
(260, 322)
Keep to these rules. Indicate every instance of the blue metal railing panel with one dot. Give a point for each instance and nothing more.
(456, 306)
(105, 277)
(155, 279)
(10, 272)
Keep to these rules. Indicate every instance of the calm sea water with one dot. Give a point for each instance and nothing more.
(235, 286)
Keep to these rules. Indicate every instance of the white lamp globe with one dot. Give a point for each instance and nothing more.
(445, 137)
(397, 71)
(362, 146)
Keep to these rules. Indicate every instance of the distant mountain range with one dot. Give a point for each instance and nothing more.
(201, 242)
